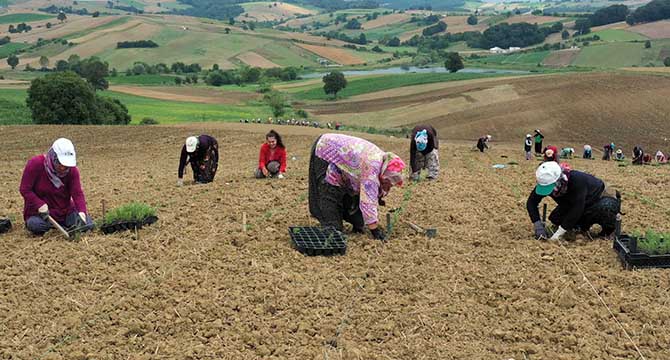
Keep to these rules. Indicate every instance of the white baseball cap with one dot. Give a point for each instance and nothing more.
(547, 175)
(191, 143)
(65, 152)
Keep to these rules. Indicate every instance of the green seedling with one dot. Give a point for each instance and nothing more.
(134, 211)
(652, 242)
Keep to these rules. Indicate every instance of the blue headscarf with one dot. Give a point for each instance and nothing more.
(421, 140)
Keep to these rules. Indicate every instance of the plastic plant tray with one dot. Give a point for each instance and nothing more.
(313, 241)
(5, 225)
(632, 258)
(117, 226)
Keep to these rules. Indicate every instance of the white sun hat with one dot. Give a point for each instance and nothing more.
(547, 175)
(65, 152)
(191, 143)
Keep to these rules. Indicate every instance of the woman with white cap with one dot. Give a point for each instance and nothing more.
(483, 143)
(203, 154)
(423, 152)
(528, 146)
(583, 200)
(51, 186)
(588, 152)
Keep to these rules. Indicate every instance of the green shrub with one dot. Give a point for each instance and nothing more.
(134, 211)
(149, 121)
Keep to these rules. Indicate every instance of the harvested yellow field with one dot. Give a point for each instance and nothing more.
(386, 20)
(254, 60)
(73, 24)
(337, 55)
(272, 11)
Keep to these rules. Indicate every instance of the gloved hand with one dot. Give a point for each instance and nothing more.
(540, 231)
(265, 171)
(560, 232)
(43, 211)
(382, 202)
(82, 216)
(378, 234)
(280, 176)
(180, 182)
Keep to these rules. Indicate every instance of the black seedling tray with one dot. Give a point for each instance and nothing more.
(313, 241)
(635, 259)
(124, 225)
(5, 226)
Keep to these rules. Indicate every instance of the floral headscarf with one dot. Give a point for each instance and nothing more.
(50, 161)
(392, 168)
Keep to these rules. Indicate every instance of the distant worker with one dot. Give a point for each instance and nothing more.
(539, 138)
(646, 159)
(583, 200)
(203, 154)
(528, 146)
(348, 179)
(338, 125)
(638, 155)
(608, 151)
(423, 152)
(619, 155)
(51, 187)
(550, 153)
(272, 157)
(588, 152)
(661, 158)
(567, 153)
(483, 143)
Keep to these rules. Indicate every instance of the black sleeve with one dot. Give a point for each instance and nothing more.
(532, 206)
(577, 205)
(436, 144)
(215, 145)
(412, 155)
(182, 162)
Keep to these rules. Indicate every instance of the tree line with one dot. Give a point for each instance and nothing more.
(136, 44)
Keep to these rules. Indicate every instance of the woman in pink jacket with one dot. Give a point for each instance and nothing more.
(50, 186)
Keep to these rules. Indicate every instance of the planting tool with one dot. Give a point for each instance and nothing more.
(429, 232)
(58, 227)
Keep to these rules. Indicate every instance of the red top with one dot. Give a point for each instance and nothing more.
(277, 154)
(37, 190)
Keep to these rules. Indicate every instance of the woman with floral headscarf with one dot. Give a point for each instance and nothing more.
(348, 179)
(50, 186)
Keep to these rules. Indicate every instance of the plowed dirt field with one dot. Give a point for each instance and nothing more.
(196, 286)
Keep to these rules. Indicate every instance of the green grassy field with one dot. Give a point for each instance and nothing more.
(13, 109)
(8, 49)
(109, 25)
(19, 18)
(286, 54)
(621, 54)
(378, 83)
(530, 58)
(616, 35)
(147, 80)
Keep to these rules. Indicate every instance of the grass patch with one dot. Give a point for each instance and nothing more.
(19, 18)
(8, 49)
(13, 109)
(109, 25)
(386, 82)
(529, 58)
(133, 211)
(615, 35)
(619, 54)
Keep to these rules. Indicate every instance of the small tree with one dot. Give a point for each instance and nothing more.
(277, 102)
(333, 83)
(454, 62)
(44, 62)
(61, 16)
(96, 14)
(61, 98)
(666, 62)
(48, 25)
(565, 35)
(472, 20)
(178, 80)
(62, 65)
(647, 44)
(95, 71)
(12, 61)
(227, 30)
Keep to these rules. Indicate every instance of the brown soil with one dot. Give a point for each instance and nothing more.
(581, 107)
(654, 30)
(384, 20)
(561, 58)
(187, 94)
(339, 56)
(618, 26)
(253, 59)
(194, 285)
(73, 24)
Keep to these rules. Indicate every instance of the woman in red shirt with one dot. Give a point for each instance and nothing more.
(272, 158)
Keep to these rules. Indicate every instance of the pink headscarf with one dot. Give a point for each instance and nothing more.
(392, 169)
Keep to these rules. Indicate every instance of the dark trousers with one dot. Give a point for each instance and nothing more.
(39, 226)
(329, 204)
(602, 213)
(538, 148)
(205, 169)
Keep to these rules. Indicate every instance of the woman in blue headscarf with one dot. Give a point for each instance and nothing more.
(423, 152)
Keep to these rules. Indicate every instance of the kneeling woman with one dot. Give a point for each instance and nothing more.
(50, 186)
(348, 179)
(272, 157)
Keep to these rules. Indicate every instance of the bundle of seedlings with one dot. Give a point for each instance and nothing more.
(128, 217)
(652, 242)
